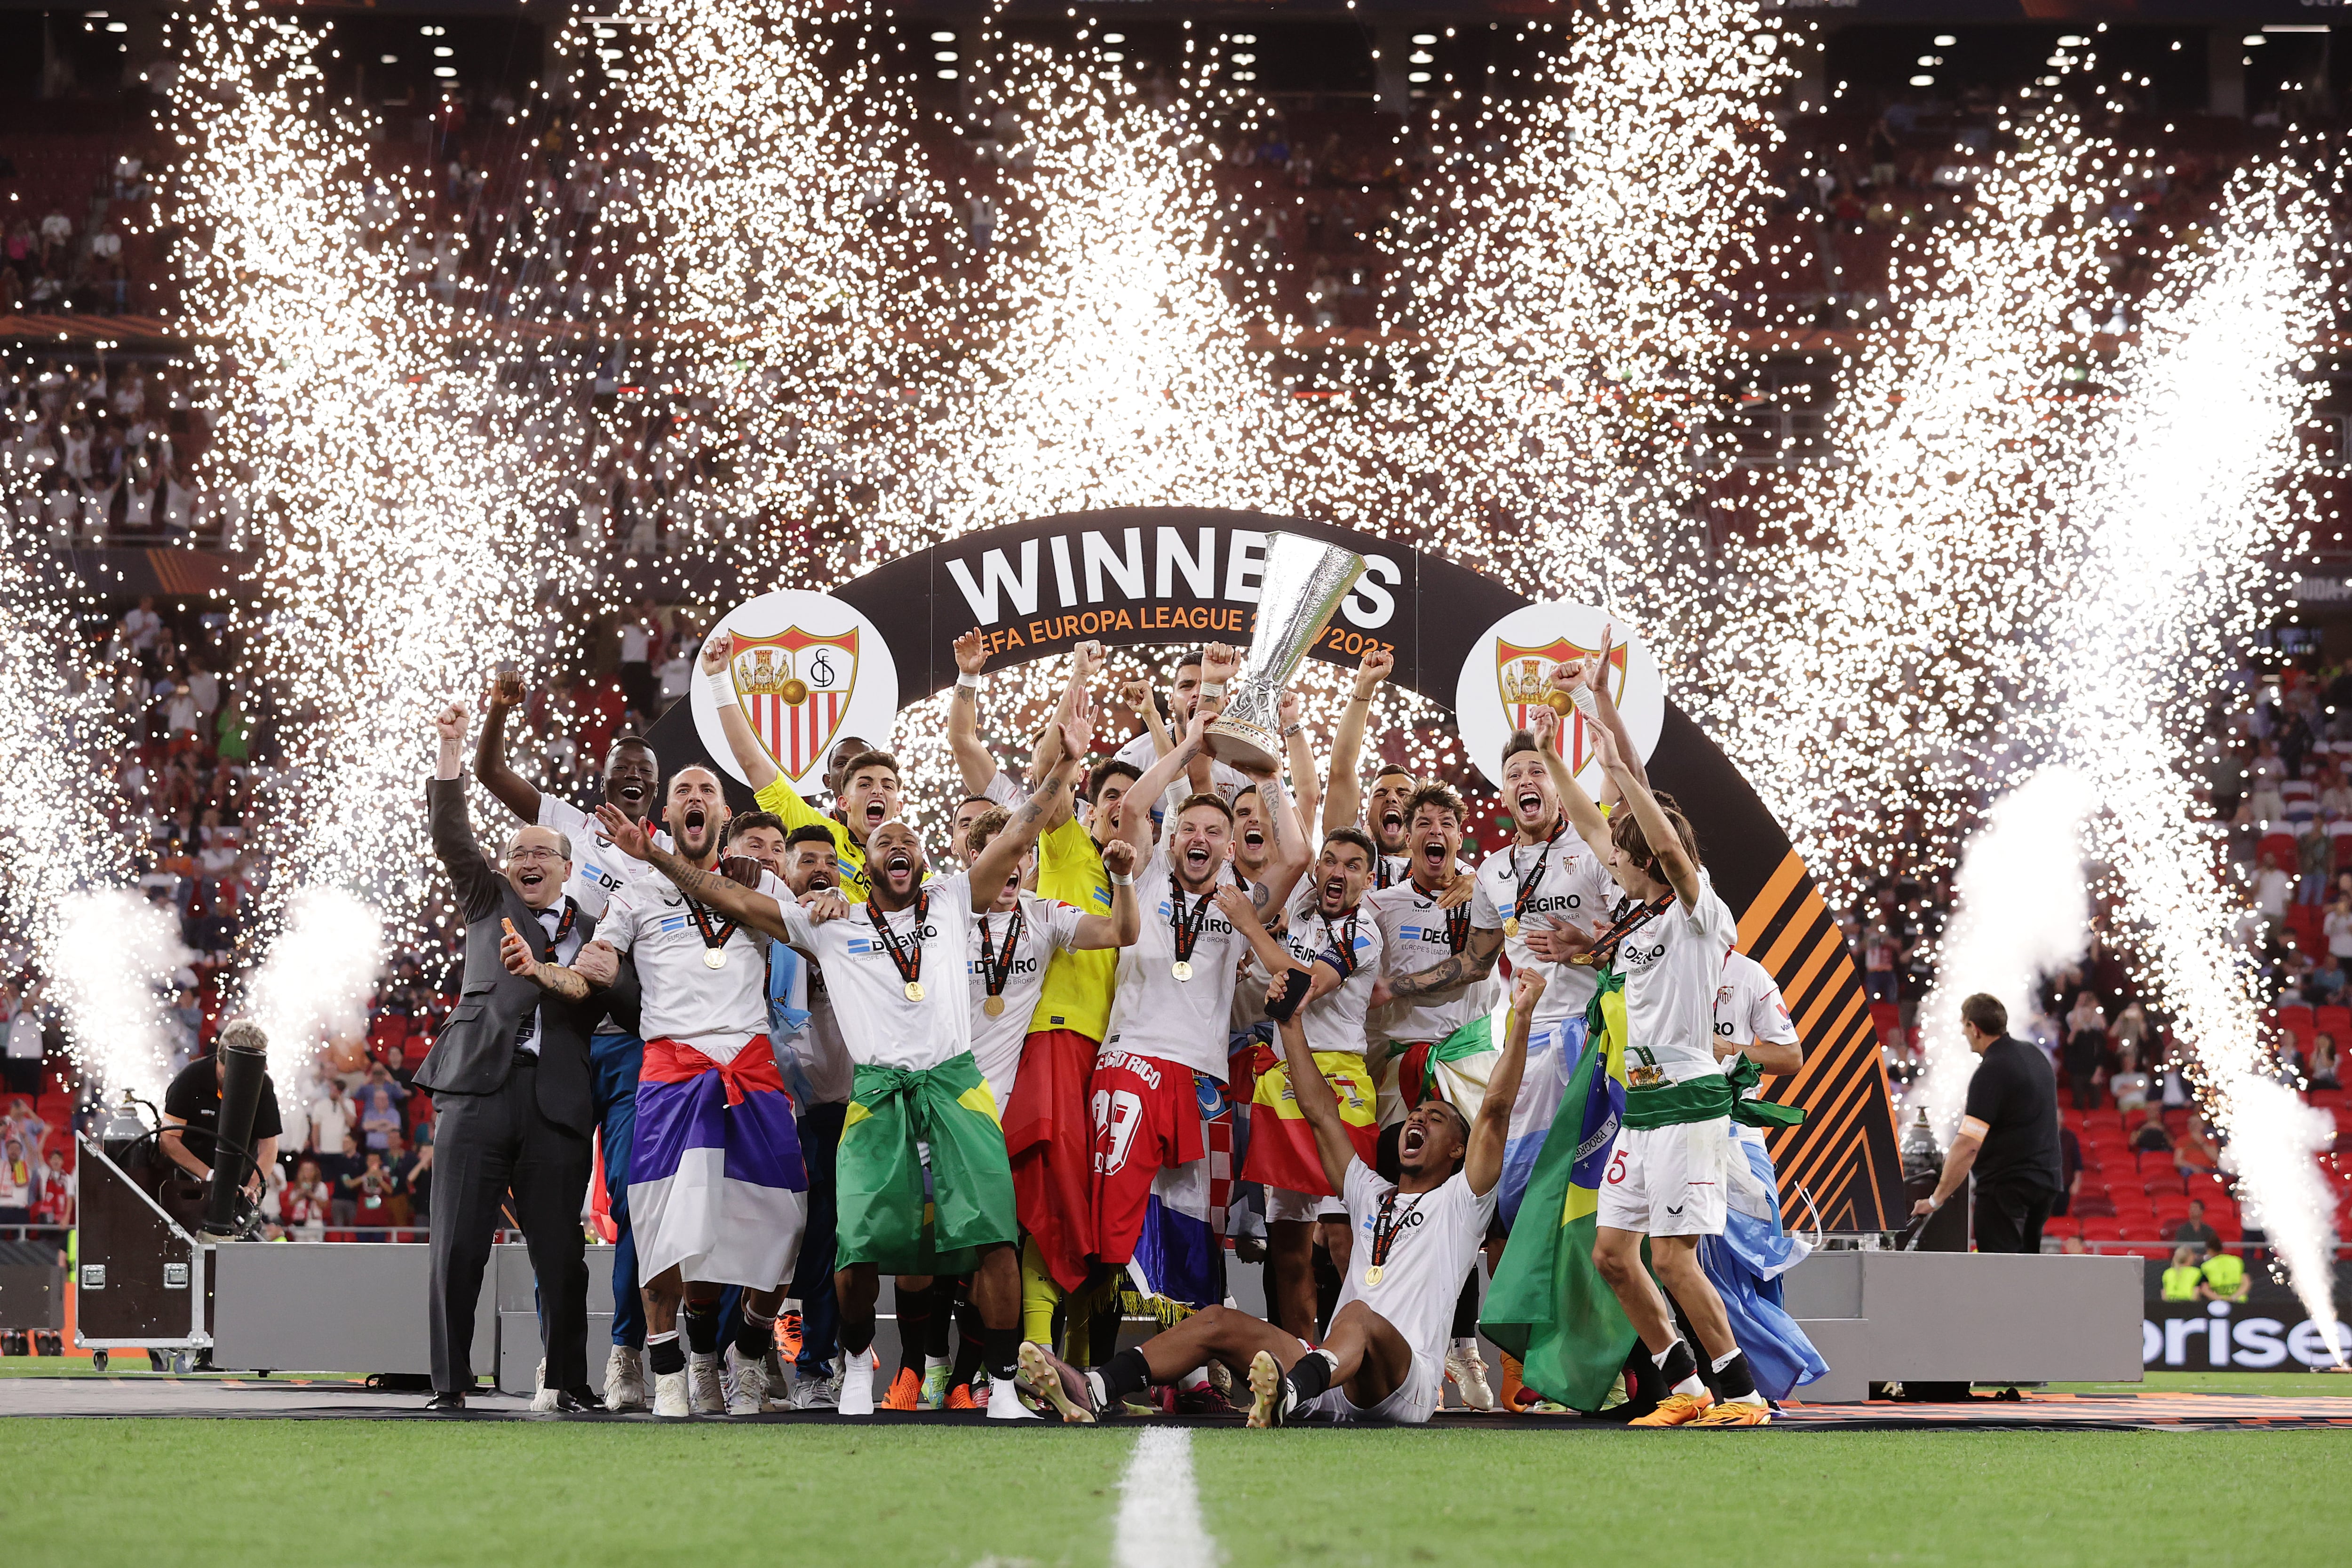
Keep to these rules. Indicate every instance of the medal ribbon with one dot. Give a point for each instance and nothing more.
(563, 926)
(907, 956)
(712, 940)
(1457, 928)
(1385, 1228)
(992, 973)
(1347, 947)
(1187, 926)
(1604, 951)
(1534, 878)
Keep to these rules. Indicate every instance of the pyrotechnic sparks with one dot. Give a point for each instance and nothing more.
(2021, 910)
(113, 963)
(1867, 663)
(59, 739)
(394, 558)
(313, 987)
(2186, 507)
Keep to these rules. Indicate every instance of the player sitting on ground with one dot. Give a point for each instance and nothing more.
(1384, 1357)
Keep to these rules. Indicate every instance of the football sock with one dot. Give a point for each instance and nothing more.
(1003, 1350)
(969, 1339)
(943, 1317)
(1102, 1331)
(1733, 1380)
(1195, 1380)
(1313, 1374)
(663, 1354)
(914, 1326)
(702, 1327)
(1679, 1369)
(1644, 1387)
(756, 1337)
(1039, 1294)
(1124, 1374)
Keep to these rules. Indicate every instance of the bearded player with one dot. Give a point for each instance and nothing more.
(1414, 1239)
(720, 1188)
(615, 1052)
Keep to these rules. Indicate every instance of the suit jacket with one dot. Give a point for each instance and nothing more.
(475, 1048)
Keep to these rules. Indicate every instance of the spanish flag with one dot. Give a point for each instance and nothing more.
(1549, 1306)
(1282, 1140)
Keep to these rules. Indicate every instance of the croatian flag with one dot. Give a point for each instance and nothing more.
(1181, 1253)
(715, 1181)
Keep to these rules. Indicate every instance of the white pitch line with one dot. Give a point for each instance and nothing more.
(1159, 1507)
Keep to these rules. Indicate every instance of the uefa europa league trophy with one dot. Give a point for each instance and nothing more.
(1303, 584)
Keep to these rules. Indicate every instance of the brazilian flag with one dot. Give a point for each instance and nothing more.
(1549, 1306)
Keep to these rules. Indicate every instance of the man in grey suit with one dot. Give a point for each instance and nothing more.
(510, 1079)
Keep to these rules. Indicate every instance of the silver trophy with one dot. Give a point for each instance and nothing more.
(1303, 584)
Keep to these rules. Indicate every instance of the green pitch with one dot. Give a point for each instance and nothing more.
(202, 1493)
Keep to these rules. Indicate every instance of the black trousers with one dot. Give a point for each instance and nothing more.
(484, 1145)
(2008, 1218)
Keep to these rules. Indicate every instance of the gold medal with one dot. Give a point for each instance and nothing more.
(1374, 1275)
(1181, 968)
(714, 957)
(993, 1007)
(914, 990)
(1511, 927)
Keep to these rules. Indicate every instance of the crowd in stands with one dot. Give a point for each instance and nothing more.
(79, 234)
(97, 449)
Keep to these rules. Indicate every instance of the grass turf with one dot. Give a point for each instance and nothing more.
(2056, 1498)
(408, 1492)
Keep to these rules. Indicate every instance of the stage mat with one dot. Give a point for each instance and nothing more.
(306, 1399)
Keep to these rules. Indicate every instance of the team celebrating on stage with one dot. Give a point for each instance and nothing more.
(1044, 1074)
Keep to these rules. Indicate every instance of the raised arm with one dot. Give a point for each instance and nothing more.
(1288, 854)
(973, 760)
(470, 872)
(1343, 800)
(708, 888)
(1085, 659)
(515, 792)
(759, 770)
(1316, 1100)
(1482, 1163)
(1593, 674)
(1124, 924)
(1301, 756)
(1135, 806)
(1680, 870)
(995, 865)
(1583, 813)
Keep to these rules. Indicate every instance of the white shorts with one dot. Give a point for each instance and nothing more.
(1281, 1204)
(1668, 1181)
(1411, 1405)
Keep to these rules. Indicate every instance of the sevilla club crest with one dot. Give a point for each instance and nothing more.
(795, 690)
(1525, 676)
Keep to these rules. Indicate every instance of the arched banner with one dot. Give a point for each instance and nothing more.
(1174, 576)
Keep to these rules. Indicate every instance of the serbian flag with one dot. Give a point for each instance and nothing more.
(1549, 1306)
(1282, 1140)
(717, 1184)
(1181, 1251)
